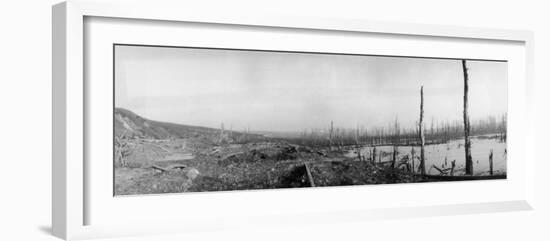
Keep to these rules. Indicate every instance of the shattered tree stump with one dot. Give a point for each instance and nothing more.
(309, 176)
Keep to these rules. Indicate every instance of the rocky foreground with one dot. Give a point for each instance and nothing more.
(154, 167)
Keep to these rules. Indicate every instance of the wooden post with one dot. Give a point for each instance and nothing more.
(421, 132)
(467, 144)
(491, 162)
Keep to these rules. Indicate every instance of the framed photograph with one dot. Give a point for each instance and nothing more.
(203, 122)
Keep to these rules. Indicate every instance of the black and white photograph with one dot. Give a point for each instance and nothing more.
(275, 120)
(190, 119)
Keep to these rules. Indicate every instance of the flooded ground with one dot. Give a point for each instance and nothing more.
(441, 155)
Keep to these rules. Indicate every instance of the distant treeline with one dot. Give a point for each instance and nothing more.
(393, 134)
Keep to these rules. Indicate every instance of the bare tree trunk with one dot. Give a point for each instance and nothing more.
(467, 144)
(453, 165)
(491, 162)
(394, 156)
(374, 154)
(309, 176)
(412, 163)
(421, 132)
(330, 135)
(357, 145)
(396, 138)
(336, 136)
(221, 134)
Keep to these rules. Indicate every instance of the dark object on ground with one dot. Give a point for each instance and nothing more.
(296, 177)
(166, 169)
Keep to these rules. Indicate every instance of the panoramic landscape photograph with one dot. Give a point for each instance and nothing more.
(203, 119)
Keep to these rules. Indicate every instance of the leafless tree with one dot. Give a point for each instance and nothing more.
(122, 149)
(467, 144)
(421, 132)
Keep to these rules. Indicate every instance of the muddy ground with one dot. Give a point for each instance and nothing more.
(194, 165)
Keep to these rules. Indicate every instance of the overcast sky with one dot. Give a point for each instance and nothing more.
(275, 91)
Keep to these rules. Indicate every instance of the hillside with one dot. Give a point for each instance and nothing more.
(129, 124)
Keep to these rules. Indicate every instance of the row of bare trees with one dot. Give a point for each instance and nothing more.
(227, 136)
(469, 169)
(394, 134)
(419, 136)
(469, 164)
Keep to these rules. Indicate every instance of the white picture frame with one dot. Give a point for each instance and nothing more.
(71, 190)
